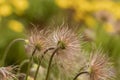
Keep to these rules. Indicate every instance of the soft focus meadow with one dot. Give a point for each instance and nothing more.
(59, 39)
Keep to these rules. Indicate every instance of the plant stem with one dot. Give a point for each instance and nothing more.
(80, 74)
(30, 62)
(21, 65)
(50, 61)
(39, 63)
(8, 48)
(0, 22)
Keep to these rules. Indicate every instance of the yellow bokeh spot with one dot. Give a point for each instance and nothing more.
(102, 5)
(5, 10)
(90, 21)
(20, 5)
(16, 26)
(116, 12)
(83, 6)
(109, 28)
(64, 3)
(2, 1)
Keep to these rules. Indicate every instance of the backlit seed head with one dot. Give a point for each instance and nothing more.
(37, 39)
(100, 67)
(6, 73)
(69, 53)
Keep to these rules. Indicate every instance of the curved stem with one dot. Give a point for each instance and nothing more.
(22, 63)
(80, 74)
(30, 62)
(39, 63)
(50, 61)
(8, 48)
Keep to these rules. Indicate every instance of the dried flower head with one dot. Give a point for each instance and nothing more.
(37, 39)
(6, 73)
(69, 48)
(104, 16)
(100, 67)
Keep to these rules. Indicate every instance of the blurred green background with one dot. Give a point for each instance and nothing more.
(98, 21)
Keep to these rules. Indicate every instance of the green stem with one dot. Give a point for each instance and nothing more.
(0, 22)
(8, 48)
(80, 74)
(29, 64)
(39, 63)
(50, 61)
(21, 65)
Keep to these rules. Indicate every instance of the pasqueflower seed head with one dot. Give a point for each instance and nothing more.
(100, 66)
(69, 48)
(6, 73)
(37, 39)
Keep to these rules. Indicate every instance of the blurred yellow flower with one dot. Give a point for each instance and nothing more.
(90, 21)
(5, 10)
(90, 6)
(109, 28)
(64, 3)
(79, 16)
(15, 26)
(116, 12)
(102, 5)
(83, 5)
(2, 1)
(20, 5)
(85, 11)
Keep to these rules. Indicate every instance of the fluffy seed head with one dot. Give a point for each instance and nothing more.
(64, 38)
(6, 73)
(69, 48)
(37, 39)
(100, 67)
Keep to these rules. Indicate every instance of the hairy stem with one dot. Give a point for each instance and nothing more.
(50, 61)
(29, 64)
(80, 74)
(8, 48)
(39, 63)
